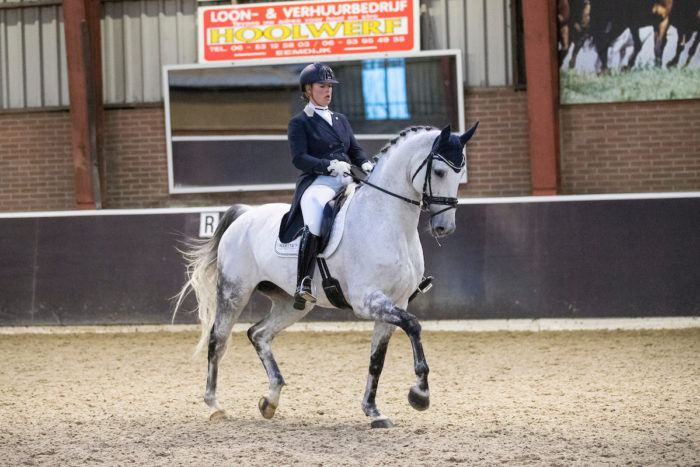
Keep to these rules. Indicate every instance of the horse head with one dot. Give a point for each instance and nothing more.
(438, 176)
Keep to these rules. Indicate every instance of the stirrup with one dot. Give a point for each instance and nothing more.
(423, 287)
(304, 294)
(304, 291)
(426, 284)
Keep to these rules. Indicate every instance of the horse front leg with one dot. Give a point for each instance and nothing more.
(380, 343)
(382, 308)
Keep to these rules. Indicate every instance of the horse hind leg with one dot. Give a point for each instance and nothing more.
(230, 300)
(282, 314)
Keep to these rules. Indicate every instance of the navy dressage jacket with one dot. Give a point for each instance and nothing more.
(314, 144)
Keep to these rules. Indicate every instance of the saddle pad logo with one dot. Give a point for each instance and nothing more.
(290, 249)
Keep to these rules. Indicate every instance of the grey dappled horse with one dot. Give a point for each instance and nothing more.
(378, 263)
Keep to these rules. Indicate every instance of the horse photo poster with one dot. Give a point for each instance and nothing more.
(628, 50)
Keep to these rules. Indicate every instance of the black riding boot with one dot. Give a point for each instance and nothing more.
(305, 269)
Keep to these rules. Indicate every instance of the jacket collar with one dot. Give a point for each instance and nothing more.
(309, 110)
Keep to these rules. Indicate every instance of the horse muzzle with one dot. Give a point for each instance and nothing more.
(440, 228)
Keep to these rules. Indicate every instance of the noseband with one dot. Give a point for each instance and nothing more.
(427, 198)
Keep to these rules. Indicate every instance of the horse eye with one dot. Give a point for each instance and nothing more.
(440, 173)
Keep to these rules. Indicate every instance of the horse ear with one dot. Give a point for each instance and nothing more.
(445, 133)
(467, 136)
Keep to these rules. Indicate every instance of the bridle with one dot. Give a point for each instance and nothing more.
(427, 198)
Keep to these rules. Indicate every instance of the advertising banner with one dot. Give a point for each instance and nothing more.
(299, 29)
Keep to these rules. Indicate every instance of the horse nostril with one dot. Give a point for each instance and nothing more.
(439, 230)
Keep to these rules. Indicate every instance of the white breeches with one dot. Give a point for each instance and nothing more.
(316, 196)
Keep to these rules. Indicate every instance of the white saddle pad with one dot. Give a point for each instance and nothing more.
(291, 249)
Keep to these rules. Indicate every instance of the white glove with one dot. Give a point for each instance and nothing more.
(338, 167)
(367, 167)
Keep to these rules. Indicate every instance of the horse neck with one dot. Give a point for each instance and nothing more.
(393, 173)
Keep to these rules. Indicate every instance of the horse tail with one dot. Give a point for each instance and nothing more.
(201, 268)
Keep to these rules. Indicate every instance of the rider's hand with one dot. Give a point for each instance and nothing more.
(338, 167)
(367, 167)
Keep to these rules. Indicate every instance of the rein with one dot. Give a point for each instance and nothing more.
(427, 199)
(355, 171)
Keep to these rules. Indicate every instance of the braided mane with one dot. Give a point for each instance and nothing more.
(406, 132)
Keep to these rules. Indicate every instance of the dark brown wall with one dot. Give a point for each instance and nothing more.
(563, 259)
(606, 148)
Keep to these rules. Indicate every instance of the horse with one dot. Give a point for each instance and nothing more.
(378, 263)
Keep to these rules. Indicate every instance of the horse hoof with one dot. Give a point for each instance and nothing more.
(217, 416)
(381, 423)
(267, 409)
(418, 399)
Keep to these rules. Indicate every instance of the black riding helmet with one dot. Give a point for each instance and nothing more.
(316, 73)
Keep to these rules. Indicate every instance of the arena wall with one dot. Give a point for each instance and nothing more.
(606, 148)
(510, 258)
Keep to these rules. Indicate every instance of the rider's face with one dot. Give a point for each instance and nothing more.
(320, 93)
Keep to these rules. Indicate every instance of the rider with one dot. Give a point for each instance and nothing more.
(323, 146)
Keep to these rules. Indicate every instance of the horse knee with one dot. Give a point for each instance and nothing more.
(410, 323)
(254, 337)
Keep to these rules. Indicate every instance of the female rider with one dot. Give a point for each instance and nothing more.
(323, 146)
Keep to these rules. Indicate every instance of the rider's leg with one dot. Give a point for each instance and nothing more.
(312, 202)
(305, 268)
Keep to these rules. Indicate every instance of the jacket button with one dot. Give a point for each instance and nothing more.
(330, 145)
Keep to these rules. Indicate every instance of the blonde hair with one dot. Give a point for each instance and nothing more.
(305, 93)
